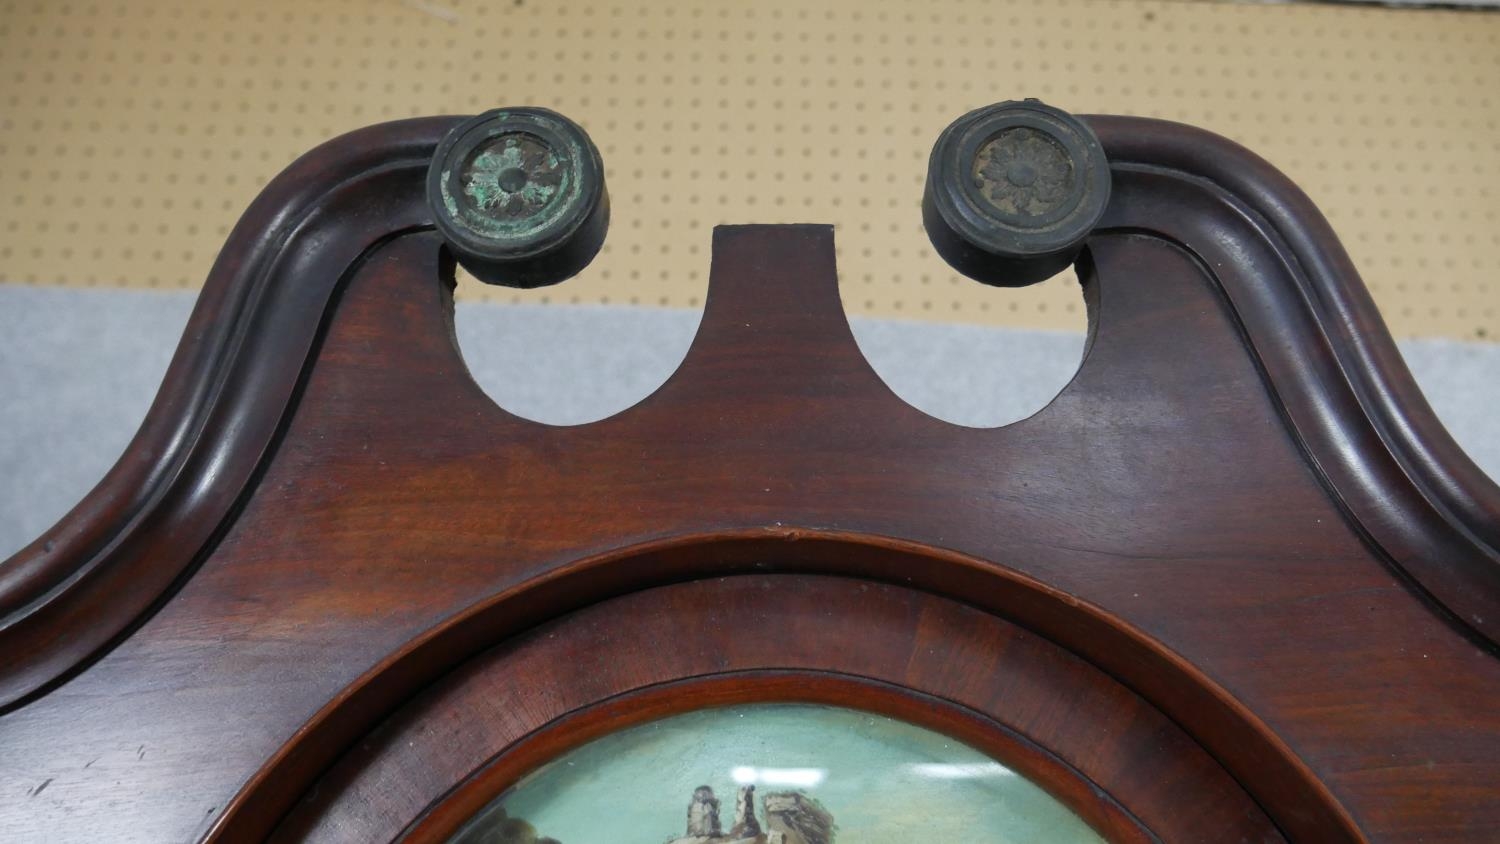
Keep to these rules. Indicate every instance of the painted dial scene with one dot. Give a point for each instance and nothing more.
(774, 774)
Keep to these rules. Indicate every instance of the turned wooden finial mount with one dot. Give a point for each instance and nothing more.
(1013, 190)
(518, 193)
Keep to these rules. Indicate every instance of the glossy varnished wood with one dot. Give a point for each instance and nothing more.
(224, 397)
(1239, 509)
(729, 640)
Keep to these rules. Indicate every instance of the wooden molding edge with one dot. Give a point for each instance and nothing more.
(1330, 364)
(1292, 796)
(223, 399)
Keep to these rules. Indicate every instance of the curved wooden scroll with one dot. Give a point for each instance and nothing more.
(1309, 320)
(1240, 508)
(227, 391)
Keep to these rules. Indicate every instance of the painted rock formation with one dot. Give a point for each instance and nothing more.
(791, 818)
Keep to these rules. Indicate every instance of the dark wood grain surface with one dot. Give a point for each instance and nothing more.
(836, 641)
(1239, 510)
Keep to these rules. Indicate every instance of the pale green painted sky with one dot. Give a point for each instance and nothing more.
(885, 781)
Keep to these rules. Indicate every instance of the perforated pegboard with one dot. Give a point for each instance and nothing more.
(133, 134)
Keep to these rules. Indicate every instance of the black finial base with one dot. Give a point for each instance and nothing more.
(1013, 190)
(518, 193)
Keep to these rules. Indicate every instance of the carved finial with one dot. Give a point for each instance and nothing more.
(518, 194)
(1013, 190)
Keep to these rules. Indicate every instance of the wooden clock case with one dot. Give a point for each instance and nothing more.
(1235, 583)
